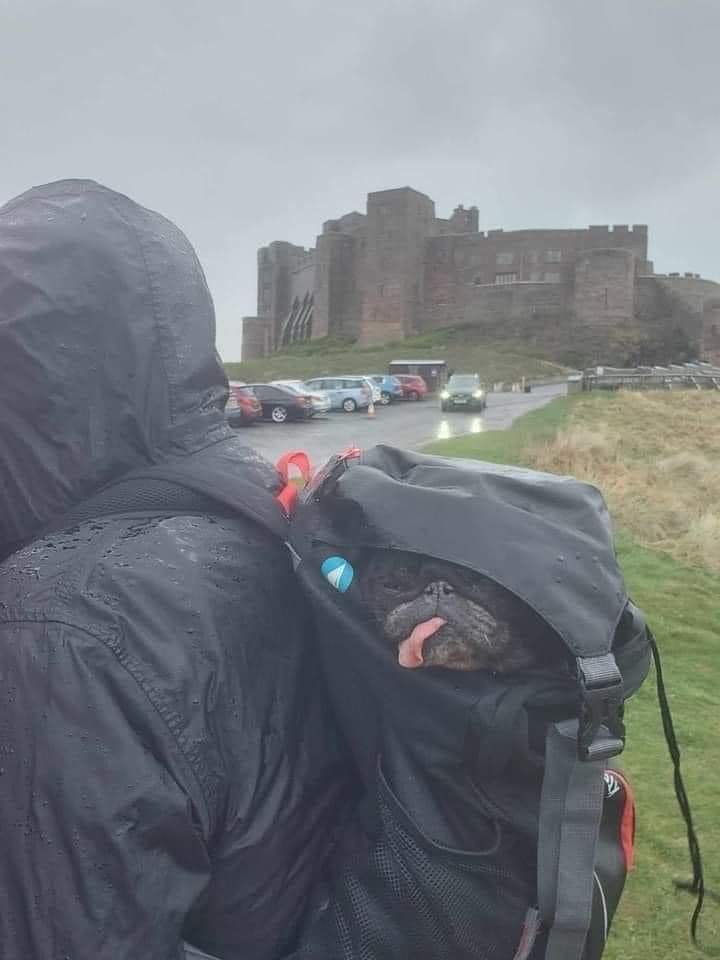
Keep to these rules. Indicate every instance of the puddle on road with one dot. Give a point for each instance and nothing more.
(446, 429)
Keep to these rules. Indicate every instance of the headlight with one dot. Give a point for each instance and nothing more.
(478, 394)
(444, 395)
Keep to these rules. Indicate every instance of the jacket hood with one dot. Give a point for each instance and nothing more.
(107, 356)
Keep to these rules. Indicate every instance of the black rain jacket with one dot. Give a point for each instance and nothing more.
(165, 764)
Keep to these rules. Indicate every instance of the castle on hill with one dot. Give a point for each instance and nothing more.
(398, 270)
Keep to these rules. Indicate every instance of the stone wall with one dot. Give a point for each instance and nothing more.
(337, 291)
(603, 301)
(276, 265)
(256, 338)
(537, 313)
(520, 255)
(710, 342)
(398, 223)
(667, 304)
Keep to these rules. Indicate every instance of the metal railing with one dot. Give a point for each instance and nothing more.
(676, 376)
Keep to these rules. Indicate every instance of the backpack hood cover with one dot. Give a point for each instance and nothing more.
(546, 539)
(107, 360)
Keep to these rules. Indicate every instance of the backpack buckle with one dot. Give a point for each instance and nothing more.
(601, 731)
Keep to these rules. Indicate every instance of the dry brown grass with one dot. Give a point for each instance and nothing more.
(656, 457)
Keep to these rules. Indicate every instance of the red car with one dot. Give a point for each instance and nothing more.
(413, 386)
(243, 407)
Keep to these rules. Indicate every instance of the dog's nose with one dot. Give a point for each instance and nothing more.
(439, 588)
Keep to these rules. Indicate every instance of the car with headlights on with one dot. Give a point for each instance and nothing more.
(463, 391)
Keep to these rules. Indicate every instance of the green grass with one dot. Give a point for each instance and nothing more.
(462, 347)
(683, 607)
(682, 604)
(507, 446)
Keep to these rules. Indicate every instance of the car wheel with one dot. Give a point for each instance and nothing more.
(349, 405)
(279, 414)
(413, 395)
(385, 398)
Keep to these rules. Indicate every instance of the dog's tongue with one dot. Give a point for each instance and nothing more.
(410, 651)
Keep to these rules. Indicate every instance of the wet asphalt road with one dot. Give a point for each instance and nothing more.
(408, 425)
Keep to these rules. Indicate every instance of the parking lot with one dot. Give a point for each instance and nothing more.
(402, 424)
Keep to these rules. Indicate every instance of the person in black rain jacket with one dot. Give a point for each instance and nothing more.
(166, 772)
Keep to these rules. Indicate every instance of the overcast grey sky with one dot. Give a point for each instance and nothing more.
(247, 122)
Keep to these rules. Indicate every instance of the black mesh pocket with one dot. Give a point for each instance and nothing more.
(404, 897)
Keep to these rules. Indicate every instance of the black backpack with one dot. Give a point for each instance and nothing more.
(552, 818)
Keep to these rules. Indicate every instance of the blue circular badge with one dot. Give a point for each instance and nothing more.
(338, 572)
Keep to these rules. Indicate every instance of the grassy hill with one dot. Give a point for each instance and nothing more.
(462, 347)
(657, 459)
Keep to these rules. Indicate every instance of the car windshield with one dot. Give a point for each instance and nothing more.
(463, 383)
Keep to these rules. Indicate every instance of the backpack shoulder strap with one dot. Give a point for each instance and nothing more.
(571, 804)
(145, 496)
(570, 810)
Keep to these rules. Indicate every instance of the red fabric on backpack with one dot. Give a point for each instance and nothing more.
(287, 498)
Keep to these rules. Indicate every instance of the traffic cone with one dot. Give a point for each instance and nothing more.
(371, 409)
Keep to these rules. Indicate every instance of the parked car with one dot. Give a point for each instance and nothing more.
(374, 389)
(320, 399)
(282, 403)
(463, 390)
(243, 407)
(390, 387)
(346, 393)
(413, 386)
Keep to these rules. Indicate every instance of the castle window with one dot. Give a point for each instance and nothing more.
(552, 278)
(504, 259)
(553, 256)
(506, 277)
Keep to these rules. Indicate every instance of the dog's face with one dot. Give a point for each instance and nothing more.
(439, 614)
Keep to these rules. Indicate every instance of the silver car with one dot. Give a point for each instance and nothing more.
(320, 398)
(346, 393)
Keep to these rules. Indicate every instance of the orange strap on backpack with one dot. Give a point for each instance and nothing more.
(288, 496)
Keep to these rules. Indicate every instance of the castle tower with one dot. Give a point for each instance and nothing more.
(398, 223)
(336, 310)
(465, 221)
(604, 295)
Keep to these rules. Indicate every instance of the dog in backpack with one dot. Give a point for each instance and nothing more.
(440, 614)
